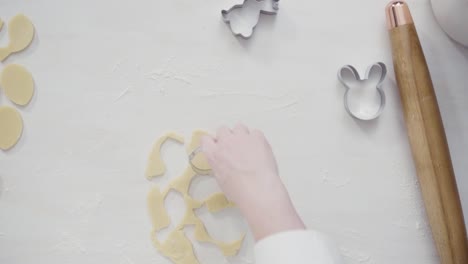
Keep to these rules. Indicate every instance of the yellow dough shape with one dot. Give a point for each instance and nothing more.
(190, 217)
(157, 211)
(17, 83)
(199, 161)
(177, 247)
(231, 249)
(156, 166)
(218, 202)
(20, 32)
(11, 127)
(182, 183)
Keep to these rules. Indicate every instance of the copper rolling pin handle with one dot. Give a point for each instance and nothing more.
(427, 137)
(398, 14)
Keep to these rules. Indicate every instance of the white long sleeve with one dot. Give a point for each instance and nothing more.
(297, 247)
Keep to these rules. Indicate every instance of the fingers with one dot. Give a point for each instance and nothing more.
(240, 129)
(223, 132)
(208, 145)
(257, 133)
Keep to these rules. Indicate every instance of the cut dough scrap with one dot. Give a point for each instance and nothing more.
(11, 127)
(182, 183)
(156, 166)
(228, 249)
(201, 234)
(157, 211)
(231, 249)
(4, 52)
(199, 161)
(218, 202)
(1, 24)
(190, 218)
(18, 84)
(20, 32)
(177, 247)
(192, 203)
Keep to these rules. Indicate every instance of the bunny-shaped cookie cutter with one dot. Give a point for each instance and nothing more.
(379, 66)
(267, 7)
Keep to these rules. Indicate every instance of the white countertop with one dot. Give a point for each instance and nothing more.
(112, 76)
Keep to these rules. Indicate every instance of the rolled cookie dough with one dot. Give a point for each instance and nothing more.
(177, 247)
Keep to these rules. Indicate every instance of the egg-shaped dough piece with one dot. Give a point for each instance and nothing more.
(21, 33)
(11, 127)
(18, 84)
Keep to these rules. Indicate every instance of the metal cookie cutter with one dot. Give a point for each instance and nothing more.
(198, 170)
(379, 66)
(267, 7)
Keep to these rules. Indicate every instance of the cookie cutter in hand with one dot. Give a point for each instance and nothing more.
(198, 170)
(267, 7)
(383, 73)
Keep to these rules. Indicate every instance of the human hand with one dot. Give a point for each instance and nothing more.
(246, 170)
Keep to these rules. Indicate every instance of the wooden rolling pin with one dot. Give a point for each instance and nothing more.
(427, 138)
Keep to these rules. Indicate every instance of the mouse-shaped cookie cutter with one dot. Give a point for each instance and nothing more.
(379, 66)
(267, 7)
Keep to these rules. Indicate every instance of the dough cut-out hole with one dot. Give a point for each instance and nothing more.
(175, 207)
(203, 186)
(156, 167)
(177, 247)
(205, 250)
(228, 220)
(175, 161)
(174, 157)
